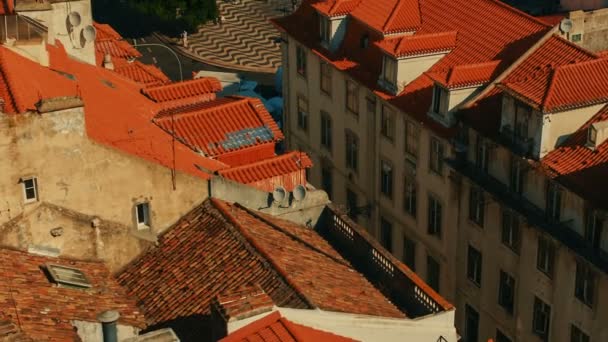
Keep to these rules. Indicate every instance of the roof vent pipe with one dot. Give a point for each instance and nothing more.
(108, 321)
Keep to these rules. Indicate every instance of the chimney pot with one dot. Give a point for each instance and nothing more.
(108, 321)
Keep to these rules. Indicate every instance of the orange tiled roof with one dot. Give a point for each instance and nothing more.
(334, 8)
(419, 44)
(221, 126)
(389, 16)
(182, 90)
(227, 246)
(106, 32)
(466, 75)
(243, 302)
(149, 75)
(116, 48)
(274, 328)
(552, 19)
(44, 311)
(287, 170)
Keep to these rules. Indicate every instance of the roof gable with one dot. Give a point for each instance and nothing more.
(389, 16)
(184, 89)
(419, 44)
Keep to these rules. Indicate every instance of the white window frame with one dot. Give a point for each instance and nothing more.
(34, 186)
(387, 175)
(434, 216)
(411, 139)
(544, 309)
(389, 71)
(436, 158)
(143, 223)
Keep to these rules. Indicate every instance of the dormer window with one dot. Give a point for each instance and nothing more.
(364, 42)
(389, 72)
(591, 136)
(522, 117)
(439, 97)
(324, 29)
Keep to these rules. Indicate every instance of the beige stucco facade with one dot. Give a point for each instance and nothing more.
(589, 21)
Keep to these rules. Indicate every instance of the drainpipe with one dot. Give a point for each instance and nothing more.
(108, 321)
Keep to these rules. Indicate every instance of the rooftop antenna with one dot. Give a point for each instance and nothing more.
(565, 25)
(279, 194)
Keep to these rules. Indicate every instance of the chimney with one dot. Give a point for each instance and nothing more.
(107, 62)
(108, 321)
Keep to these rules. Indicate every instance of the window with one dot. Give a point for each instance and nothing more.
(432, 273)
(501, 337)
(364, 41)
(541, 319)
(411, 139)
(325, 78)
(409, 253)
(301, 61)
(142, 215)
(516, 177)
(302, 113)
(326, 130)
(438, 97)
(352, 150)
(30, 189)
(476, 206)
(522, 117)
(352, 97)
(510, 230)
(386, 178)
(387, 118)
(434, 216)
(545, 256)
(389, 72)
(506, 292)
(593, 228)
(67, 276)
(409, 196)
(324, 29)
(577, 335)
(471, 325)
(386, 234)
(576, 37)
(591, 136)
(371, 104)
(474, 265)
(326, 180)
(482, 154)
(554, 201)
(584, 288)
(436, 160)
(351, 204)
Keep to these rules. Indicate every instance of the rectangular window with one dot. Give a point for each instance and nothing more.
(522, 117)
(386, 234)
(506, 292)
(301, 61)
(324, 29)
(351, 204)
(409, 196)
(593, 228)
(432, 273)
(501, 337)
(409, 253)
(584, 288)
(434, 217)
(371, 104)
(352, 97)
(471, 325)
(30, 189)
(576, 37)
(142, 215)
(436, 160)
(554, 201)
(516, 177)
(389, 71)
(326, 179)
(577, 335)
(302, 113)
(387, 118)
(541, 319)
(476, 206)
(591, 136)
(326, 130)
(326, 78)
(352, 150)
(437, 99)
(386, 178)
(482, 154)
(511, 236)
(411, 139)
(474, 265)
(545, 256)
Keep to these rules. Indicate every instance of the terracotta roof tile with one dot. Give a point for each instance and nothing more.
(148, 75)
(334, 8)
(219, 246)
(553, 19)
(467, 75)
(116, 48)
(106, 32)
(43, 310)
(242, 302)
(185, 89)
(274, 328)
(223, 125)
(287, 170)
(419, 44)
(389, 16)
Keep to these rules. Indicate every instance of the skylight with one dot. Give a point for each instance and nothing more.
(68, 276)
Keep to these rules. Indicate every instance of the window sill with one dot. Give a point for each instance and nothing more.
(471, 281)
(387, 138)
(31, 201)
(143, 227)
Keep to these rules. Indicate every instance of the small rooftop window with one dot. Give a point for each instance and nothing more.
(591, 136)
(364, 42)
(68, 276)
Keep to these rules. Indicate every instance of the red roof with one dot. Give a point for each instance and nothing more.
(223, 125)
(106, 32)
(116, 48)
(419, 44)
(146, 74)
(389, 16)
(553, 19)
(243, 302)
(219, 246)
(334, 8)
(182, 90)
(467, 75)
(287, 170)
(274, 328)
(44, 311)
(559, 75)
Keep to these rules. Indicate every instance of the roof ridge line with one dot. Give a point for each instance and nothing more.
(578, 47)
(262, 161)
(190, 109)
(390, 19)
(521, 13)
(549, 92)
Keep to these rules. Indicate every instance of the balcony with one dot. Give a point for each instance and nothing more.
(519, 145)
(534, 215)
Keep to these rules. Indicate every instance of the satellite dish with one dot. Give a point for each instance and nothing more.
(278, 195)
(89, 33)
(74, 19)
(565, 25)
(299, 192)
